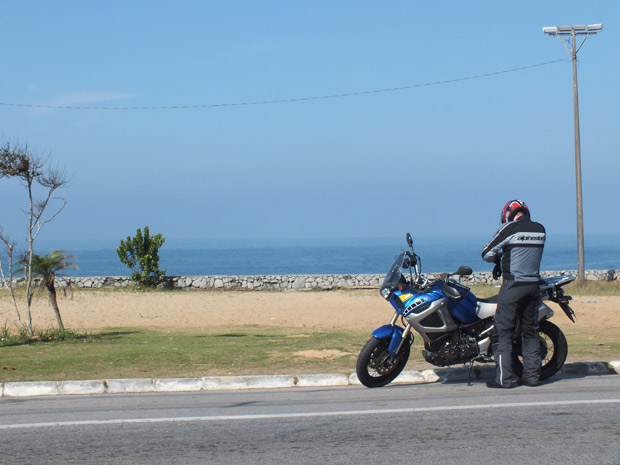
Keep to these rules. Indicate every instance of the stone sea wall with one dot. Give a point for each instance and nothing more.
(297, 282)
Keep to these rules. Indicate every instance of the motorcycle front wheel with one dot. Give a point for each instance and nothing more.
(553, 350)
(376, 367)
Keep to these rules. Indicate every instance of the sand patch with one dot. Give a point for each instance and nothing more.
(362, 310)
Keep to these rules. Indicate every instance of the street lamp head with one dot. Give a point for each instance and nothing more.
(578, 29)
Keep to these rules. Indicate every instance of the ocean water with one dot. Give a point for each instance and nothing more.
(327, 256)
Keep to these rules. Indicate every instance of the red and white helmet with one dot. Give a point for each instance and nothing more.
(512, 208)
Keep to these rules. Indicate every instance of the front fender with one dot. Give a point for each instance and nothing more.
(392, 332)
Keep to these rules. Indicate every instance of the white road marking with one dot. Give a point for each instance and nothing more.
(277, 416)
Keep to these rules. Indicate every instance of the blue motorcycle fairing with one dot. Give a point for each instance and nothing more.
(406, 301)
(463, 309)
(390, 331)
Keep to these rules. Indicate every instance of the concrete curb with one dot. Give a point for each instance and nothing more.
(215, 383)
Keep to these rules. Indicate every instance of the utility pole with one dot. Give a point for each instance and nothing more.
(573, 31)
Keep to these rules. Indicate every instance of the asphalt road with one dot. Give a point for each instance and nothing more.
(568, 421)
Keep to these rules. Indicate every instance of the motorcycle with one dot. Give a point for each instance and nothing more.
(455, 325)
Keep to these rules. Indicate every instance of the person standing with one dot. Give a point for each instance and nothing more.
(516, 249)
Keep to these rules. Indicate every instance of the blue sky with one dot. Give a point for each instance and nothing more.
(431, 159)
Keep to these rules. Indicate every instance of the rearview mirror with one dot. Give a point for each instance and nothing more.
(463, 271)
(409, 240)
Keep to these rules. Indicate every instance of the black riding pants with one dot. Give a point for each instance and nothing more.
(517, 302)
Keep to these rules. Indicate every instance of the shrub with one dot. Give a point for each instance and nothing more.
(141, 255)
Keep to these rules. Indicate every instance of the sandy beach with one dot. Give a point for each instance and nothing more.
(346, 309)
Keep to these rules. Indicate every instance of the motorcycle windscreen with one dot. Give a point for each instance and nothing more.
(393, 276)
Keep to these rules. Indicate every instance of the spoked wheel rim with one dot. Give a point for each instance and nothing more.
(553, 351)
(376, 366)
(381, 362)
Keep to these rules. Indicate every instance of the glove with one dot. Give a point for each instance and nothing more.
(497, 270)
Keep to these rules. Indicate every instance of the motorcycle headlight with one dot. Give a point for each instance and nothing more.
(385, 293)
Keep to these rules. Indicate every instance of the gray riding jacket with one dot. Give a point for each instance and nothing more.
(520, 245)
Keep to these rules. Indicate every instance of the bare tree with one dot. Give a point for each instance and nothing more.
(34, 173)
(7, 280)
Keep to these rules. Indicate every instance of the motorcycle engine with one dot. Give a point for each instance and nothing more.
(451, 353)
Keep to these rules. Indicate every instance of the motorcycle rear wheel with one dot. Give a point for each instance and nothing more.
(553, 351)
(376, 367)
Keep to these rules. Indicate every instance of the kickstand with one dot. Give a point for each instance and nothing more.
(471, 365)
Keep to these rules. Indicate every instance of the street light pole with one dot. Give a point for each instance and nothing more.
(575, 31)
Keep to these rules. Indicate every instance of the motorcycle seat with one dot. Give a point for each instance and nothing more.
(486, 309)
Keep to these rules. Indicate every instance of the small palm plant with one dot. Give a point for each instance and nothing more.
(47, 268)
